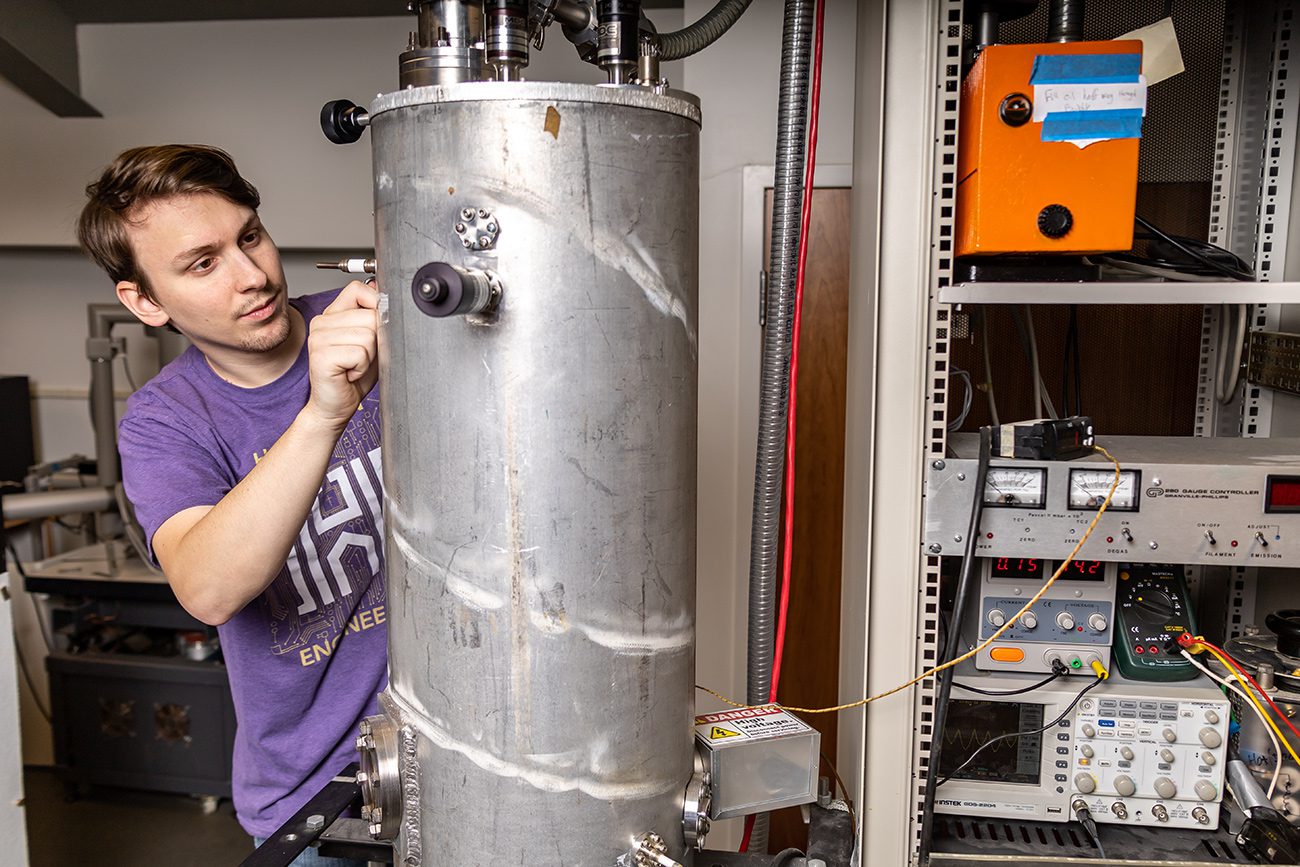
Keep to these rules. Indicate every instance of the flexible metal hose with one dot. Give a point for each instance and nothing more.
(682, 43)
(787, 200)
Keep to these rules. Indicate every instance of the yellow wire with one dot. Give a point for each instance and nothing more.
(965, 656)
(1246, 688)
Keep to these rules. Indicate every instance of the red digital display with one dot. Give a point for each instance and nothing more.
(1283, 494)
(1016, 567)
(1085, 570)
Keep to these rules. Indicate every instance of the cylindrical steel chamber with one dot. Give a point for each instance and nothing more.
(539, 468)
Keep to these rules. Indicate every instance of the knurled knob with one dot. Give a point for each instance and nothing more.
(1097, 622)
(997, 617)
(1212, 717)
(1124, 786)
(1167, 756)
(1205, 790)
(1065, 620)
(1029, 620)
(1170, 735)
(1085, 783)
(1210, 737)
(1088, 752)
(1088, 731)
(1126, 753)
(1165, 787)
(1055, 221)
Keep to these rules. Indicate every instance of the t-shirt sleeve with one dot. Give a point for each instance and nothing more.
(166, 469)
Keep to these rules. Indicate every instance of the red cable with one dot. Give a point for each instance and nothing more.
(805, 222)
(1259, 689)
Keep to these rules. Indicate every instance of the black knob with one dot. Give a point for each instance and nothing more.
(1055, 221)
(1016, 109)
(1285, 624)
(343, 121)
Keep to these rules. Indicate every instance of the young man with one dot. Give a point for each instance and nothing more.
(253, 462)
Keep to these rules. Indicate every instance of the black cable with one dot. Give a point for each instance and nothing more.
(1058, 670)
(1239, 270)
(40, 621)
(953, 642)
(1090, 825)
(1012, 735)
(18, 648)
(31, 684)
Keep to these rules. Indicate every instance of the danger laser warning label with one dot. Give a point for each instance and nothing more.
(751, 723)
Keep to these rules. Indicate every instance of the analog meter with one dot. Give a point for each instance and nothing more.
(1016, 487)
(1088, 489)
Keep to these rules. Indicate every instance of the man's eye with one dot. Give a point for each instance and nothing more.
(203, 264)
(252, 237)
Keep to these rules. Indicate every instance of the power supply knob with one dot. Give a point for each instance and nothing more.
(1169, 735)
(1065, 620)
(1210, 737)
(1097, 622)
(1167, 756)
(1085, 783)
(1205, 790)
(1126, 753)
(1212, 717)
(1088, 731)
(1124, 786)
(1029, 620)
(1088, 752)
(997, 617)
(1165, 787)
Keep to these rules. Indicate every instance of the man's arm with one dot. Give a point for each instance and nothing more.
(219, 558)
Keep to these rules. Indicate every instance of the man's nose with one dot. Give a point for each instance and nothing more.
(251, 276)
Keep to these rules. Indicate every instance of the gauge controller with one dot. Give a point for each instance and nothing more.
(1186, 500)
(1071, 624)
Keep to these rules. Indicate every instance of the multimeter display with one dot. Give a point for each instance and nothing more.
(1152, 607)
(1034, 569)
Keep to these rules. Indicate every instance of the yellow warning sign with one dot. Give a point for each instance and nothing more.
(718, 733)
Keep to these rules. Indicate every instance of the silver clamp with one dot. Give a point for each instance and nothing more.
(380, 776)
(698, 799)
(649, 850)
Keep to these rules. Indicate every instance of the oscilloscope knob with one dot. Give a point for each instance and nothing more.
(1165, 787)
(1210, 737)
(1124, 786)
(1089, 731)
(1085, 783)
(1205, 790)
(1167, 756)
(1126, 753)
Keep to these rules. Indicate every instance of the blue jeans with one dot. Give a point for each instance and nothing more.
(312, 858)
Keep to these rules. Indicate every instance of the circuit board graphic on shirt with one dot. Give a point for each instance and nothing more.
(332, 583)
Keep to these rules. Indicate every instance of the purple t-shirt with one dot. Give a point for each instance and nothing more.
(307, 657)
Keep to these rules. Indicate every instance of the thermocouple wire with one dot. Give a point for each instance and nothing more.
(1011, 621)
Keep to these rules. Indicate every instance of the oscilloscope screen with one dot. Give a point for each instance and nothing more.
(971, 723)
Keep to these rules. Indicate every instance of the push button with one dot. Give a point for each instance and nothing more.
(1007, 654)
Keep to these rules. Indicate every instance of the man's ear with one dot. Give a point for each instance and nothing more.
(133, 298)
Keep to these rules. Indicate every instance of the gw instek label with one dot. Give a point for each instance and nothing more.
(1201, 493)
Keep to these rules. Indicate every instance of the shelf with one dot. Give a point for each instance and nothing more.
(1106, 292)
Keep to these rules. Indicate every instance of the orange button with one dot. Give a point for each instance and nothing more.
(1007, 654)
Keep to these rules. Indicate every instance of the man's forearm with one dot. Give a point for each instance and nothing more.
(223, 560)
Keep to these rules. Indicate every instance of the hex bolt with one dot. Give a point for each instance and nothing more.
(375, 829)
(484, 241)
(482, 212)
(935, 548)
(363, 777)
(467, 214)
(460, 227)
(315, 822)
(467, 242)
(365, 812)
(937, 465)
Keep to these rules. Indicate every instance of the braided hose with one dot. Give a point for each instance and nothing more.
(787, 200)
(682, 43)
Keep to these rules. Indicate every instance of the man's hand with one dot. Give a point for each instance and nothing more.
(343, 352)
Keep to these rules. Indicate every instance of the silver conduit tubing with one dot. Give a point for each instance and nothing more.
(677, 44)
(787, 201)
(1065, 21)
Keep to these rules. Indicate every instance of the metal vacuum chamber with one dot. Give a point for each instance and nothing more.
(537, 258)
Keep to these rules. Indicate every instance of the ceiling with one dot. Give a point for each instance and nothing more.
(136, 11)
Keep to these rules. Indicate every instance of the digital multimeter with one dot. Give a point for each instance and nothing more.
(1152, 606)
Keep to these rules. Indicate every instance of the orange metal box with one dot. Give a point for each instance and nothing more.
(1013, 185)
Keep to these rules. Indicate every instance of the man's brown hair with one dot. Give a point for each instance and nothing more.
(143, 175)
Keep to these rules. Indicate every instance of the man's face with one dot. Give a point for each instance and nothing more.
(213, 272)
